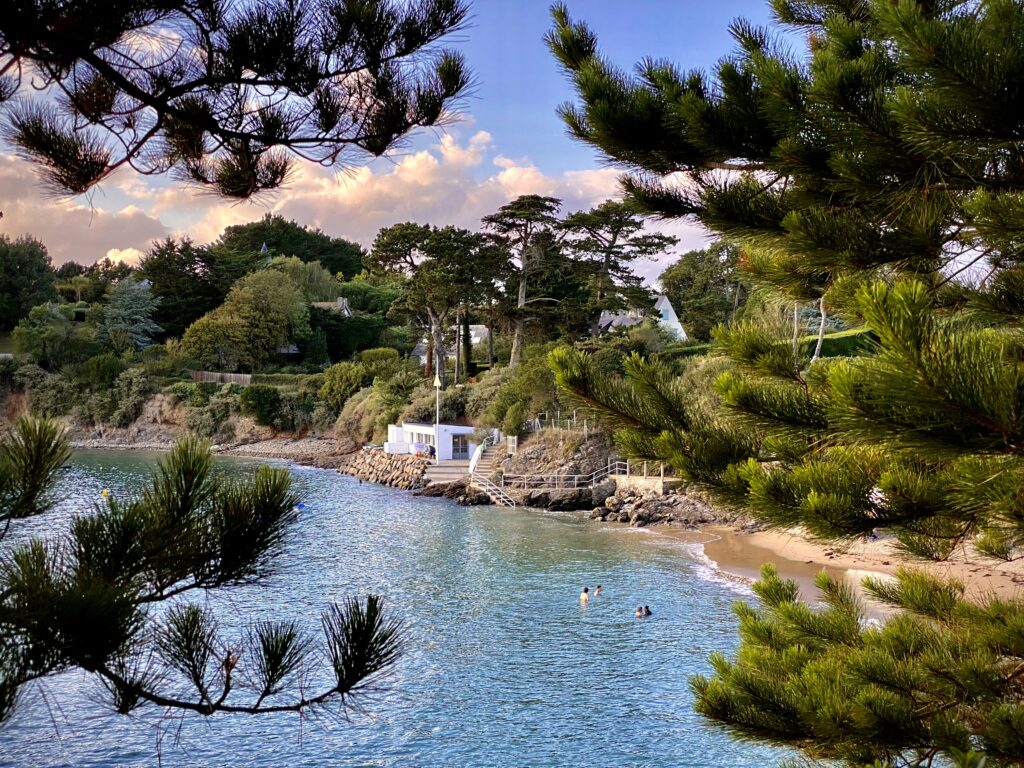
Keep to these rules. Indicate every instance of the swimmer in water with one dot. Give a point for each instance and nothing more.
(647, 610)
(639, 612)
(585, 596)
(597, 590)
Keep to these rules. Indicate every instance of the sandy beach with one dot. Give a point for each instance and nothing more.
(800, 558)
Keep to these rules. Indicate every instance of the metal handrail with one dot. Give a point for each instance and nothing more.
(565, 481)
(498, 496)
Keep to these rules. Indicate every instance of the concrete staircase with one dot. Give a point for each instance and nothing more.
(490, 459)
(446, 472)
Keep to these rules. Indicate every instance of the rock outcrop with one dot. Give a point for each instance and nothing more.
(686, 508)
(458, 491)
(397, 470)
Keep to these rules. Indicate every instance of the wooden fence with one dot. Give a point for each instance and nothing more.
(222, 378)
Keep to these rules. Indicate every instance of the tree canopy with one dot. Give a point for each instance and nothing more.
(876, 174)
(443, 269)
(704, 288)
(284, 237)
(524, 227)
(128, 317)
(190, 280)
(604, 242)
(223, 94)
(263, 312)
(26, 279)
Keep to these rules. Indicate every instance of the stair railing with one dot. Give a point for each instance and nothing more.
(496, 494)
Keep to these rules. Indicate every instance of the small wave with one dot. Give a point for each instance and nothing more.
(708, 570)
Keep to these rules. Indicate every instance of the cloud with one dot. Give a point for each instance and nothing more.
(127, 255)
(451, 182)
(70, 229)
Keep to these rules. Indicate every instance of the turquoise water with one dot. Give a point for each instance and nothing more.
(504, 668)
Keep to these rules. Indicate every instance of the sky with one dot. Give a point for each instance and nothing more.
(508, 141)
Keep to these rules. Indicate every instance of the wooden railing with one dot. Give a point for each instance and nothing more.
(215, 377)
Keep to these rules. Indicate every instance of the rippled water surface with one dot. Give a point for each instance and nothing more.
(504, 669)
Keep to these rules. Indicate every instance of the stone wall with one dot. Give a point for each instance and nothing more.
(397, 470)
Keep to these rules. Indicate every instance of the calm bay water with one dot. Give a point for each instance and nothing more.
(504, 668)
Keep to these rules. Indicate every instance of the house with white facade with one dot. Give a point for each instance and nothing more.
(666, 316)
(450, 441)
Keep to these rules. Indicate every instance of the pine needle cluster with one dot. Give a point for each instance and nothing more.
(876, 172)
(112, 596)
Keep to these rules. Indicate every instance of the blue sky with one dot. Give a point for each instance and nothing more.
(510, 142)
(521, 86)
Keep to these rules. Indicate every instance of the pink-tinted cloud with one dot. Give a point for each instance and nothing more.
(452, 182)
(72, 230)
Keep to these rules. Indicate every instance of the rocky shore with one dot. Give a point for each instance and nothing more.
(396, 470)
(684, 508)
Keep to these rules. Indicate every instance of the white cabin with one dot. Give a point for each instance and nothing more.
(450, 441)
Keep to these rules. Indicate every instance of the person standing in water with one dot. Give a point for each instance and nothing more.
(639, 613)
(585, 596)
(597, 591)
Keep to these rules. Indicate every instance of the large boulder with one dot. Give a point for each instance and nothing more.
(603, 491)
(452, 490)
(563, 499)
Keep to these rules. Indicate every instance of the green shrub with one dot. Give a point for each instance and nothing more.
(514, 419)
(211, 419)
(129, 396)
(8, 367)
(310, 385)
(531, 386)
(48, 393)
(262, 402)
(193, 393)
(483, 393)
(422, 410)
(99, 373)
(358, 420)
(341, 381)
(295, 413)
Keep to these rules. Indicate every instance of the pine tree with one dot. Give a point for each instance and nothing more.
(111, 597)
(878, 176)
(525, 227)
(604, 242)
(225, 94)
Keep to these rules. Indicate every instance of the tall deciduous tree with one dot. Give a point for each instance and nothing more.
(224, 94)
(881, 172)
(315, 282)
(524, 227)
(604, 242)
(26, 279)
(263, 312)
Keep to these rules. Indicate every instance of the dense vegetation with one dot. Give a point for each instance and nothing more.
(325, 350)
(876, 177)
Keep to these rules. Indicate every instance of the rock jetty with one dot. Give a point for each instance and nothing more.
(396, 470)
